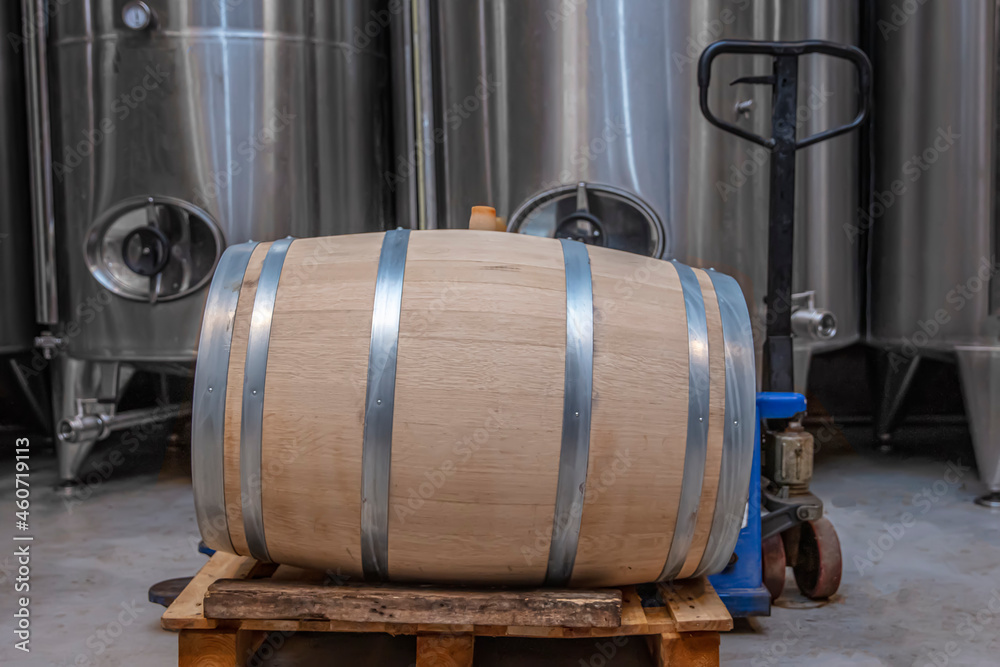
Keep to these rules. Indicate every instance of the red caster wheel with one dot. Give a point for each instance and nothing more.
(774, 563)
(819, 565)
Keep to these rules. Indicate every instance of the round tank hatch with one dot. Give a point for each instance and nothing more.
(154, 249)
(594, 214)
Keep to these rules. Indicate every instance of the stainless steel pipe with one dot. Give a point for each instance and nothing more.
(35, 25)
(80, 428)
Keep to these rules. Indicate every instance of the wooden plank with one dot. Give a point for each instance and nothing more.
(449, 650)
(687, 649)
(206, 648)
(228, 647)
(269, 599)
(187, 612)
(247, 643)
(270, 625)
(695, 606)
(657, 625)
(632, 613)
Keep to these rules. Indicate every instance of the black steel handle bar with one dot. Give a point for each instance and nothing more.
(776, 49)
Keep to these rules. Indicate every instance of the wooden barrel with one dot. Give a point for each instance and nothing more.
(473, 407)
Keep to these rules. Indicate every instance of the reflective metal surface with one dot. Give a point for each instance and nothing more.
(249, 119)
(193, 245)
(934, 238)
(208, 419)
(533, 96)
(980, 367)
(252, 413)
(34, 22)
(738, 434)
(17, 311)
(933, 233)
(380, 393)
(595, 214)
(270, 116)
(578, 389)
(696, 448)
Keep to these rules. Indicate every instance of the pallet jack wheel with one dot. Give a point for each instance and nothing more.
(819, 565)
(773, 558)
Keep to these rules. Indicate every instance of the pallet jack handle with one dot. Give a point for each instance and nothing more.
(783, 143)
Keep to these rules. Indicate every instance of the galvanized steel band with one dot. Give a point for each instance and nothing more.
(737, 439)
(695, 450)
(376, 455)
(208, 410)
(578, 386)
(252, 421)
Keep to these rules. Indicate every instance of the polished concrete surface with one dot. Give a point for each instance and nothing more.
(921, 569)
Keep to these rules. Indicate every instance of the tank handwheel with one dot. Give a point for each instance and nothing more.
(774, 563)
(819, 564)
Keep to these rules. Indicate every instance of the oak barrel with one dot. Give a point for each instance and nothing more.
(460, 406)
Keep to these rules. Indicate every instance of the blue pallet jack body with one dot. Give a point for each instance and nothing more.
(741, 584)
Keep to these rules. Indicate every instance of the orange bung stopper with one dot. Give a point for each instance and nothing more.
(484, 218)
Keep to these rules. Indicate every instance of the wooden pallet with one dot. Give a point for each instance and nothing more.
(230, 607)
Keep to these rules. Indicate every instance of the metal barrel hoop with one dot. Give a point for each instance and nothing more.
(254, 379)
(208, 409)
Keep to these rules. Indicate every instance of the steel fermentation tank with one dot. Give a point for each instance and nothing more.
(558, 113)
(17, 316)
(933, 227)
(179, 127)
(17, 302)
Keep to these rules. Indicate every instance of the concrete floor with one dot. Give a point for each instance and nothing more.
(912, 595)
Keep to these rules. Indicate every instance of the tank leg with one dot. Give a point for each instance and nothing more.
(79, 387)
(894, 375)
(980, 371)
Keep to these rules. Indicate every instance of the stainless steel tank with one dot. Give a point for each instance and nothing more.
(554, 111)
(180, 127)
(933, 225)
(17, 301)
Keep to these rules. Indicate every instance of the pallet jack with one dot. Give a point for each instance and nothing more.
(785, 523)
